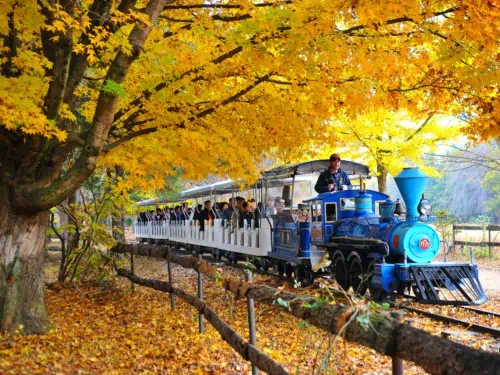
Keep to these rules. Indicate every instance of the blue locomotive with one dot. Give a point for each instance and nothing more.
(385, 253)
(352, 235)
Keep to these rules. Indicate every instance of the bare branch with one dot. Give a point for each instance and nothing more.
(426, 121)
(418, 87)
(224, 6)
(54, 229)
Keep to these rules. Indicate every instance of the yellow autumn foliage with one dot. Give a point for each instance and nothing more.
(220, 86)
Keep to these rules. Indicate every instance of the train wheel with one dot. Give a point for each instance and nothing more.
(356, 275)
(374, 293)
(289, 270)
(216, 254)
(265, 265)
(341, 271)
(258, 264)
(232, 257)
(297, 273)
(308, 277)
(281, 269)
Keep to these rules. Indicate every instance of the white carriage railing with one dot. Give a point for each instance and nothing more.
(216, 234)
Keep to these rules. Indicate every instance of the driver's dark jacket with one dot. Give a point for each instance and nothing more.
(328, 177)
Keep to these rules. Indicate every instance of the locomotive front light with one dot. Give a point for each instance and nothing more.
(424, 207)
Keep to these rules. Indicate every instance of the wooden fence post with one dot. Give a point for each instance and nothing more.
(251, 321)
(172, 296)
(200, 296)
(397, 366)
(490, 246)
(453, 236)
(132, 269)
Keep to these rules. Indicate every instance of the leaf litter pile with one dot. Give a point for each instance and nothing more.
(104, 328)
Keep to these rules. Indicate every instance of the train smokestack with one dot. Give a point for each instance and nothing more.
(411, 183)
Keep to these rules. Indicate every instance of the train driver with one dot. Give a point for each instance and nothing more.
(334, 178)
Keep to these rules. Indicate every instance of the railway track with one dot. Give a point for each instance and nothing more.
(494, 332)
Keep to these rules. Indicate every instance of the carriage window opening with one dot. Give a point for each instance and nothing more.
(377, 207)
(285, 237)
(316, 211)
(331, 212)
(347, 204)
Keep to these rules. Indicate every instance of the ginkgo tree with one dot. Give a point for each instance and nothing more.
(152, 85)
(387, 141)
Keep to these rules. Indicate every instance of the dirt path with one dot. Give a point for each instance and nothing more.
(490, 279)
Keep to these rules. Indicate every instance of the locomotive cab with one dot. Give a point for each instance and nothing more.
(330, 210)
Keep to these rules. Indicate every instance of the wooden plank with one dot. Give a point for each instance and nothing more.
(472, 243)
(476, 227)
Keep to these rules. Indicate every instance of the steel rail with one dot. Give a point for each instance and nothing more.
(495, 332)
(482, 312)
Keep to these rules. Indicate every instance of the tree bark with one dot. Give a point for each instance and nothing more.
(382, 178)
(22, 239)
(31, 181)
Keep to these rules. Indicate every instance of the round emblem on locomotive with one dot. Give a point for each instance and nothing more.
(424, 244)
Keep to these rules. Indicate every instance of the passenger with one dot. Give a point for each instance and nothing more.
(303, 213)
(257, 214)
(252, 204)
(334, 178)
(216, 210)
(206, 214)
(246, 216)
(197, 212)
(228, 212)
(279, 203)
(237, 210)
(190, 213)
(173, 214)
(182, 215)
(270, 210)
(159, 217)
(166, 213)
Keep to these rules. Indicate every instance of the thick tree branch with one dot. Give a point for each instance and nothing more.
(147, 94)
(199, 115)
(394, 21)
(57, 49)
(33, 198)
(11, 41)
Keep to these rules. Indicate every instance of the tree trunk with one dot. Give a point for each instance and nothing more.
(22, 239)
(118, 225)
(382, 178)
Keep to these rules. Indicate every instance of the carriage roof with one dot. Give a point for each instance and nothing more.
(279, 176)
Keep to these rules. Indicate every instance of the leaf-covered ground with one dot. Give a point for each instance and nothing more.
(106, 329)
